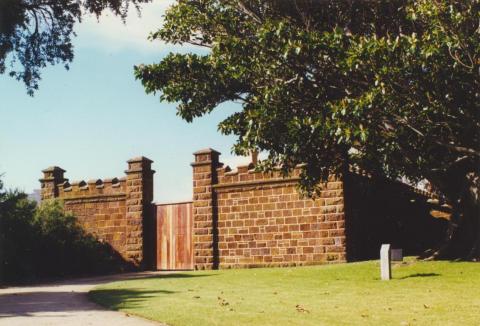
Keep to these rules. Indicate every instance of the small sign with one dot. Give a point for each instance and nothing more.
(397, 254)
(385, 264)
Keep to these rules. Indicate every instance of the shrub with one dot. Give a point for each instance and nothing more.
(39, 242)
(66, 249)
(18, 236)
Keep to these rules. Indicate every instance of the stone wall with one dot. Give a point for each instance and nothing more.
(114, 210)
(244, 218)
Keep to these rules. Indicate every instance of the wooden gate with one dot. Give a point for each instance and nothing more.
(174, 236)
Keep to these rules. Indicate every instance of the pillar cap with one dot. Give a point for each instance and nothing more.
(139, 159)
(206, 151)
(53, 169)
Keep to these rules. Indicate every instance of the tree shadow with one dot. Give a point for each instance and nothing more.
(131, 298)
(420, 275)
(116, 299)
(26, 304)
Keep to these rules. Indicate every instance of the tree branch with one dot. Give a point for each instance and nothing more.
(247, 11)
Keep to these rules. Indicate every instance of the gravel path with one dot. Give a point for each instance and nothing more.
(63, 303)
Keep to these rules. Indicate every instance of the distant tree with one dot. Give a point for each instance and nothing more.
(389, 87)
(34, 33)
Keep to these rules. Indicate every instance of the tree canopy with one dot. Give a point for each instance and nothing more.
(35, 33)
(388, 87)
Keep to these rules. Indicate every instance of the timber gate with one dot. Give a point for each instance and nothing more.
(174, 225)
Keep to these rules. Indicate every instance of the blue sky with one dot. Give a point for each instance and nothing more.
(91, 119)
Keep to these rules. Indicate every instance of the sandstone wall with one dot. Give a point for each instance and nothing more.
(115, 210)
(244, 218)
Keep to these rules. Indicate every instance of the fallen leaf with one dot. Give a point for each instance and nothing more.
(301, 309)
(222, 301)
(196, 297)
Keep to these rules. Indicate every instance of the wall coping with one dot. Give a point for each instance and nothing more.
(119, 195)
(136, 170)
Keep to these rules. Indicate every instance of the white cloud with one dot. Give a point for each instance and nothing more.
(111, 34)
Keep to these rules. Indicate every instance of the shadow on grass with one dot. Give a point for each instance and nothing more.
(420, 275)
(133, 298)
(116, 299)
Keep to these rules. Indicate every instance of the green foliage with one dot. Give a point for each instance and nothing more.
(388, 87)
(35, 33)
(17, 236)
(38, 242)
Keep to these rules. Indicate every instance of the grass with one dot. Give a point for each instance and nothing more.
(420, 293)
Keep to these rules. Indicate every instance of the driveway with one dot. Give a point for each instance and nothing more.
(63, 303)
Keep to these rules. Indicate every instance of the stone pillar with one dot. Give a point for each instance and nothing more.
(139, 191)
(205, 217)
(52, 177)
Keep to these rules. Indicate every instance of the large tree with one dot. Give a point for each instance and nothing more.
(34, 33)
(388, 87)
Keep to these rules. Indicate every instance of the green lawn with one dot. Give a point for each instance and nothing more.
(421, 293)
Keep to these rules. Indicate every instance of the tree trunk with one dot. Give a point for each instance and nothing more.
(474, 195)
(475, 252)
(463, 235)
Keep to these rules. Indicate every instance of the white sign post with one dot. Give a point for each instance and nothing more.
(385, 264)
